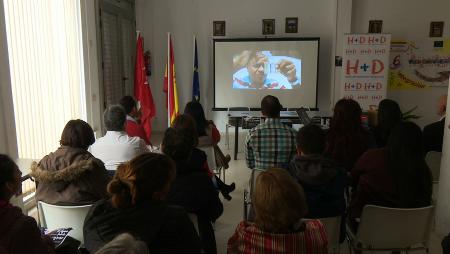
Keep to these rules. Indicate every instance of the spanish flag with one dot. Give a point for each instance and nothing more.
(170, 85)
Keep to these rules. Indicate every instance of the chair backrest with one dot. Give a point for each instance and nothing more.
(54, 217)
(392, 228)
(332, 226)
(433, 160)
(210, 156)
(194, 219)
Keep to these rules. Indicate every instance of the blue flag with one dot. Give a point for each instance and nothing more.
(195, 79)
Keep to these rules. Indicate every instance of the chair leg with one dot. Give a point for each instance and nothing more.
(227, 138)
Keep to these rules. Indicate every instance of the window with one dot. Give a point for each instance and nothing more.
(46, 65)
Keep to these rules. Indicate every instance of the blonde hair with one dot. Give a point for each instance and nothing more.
(140, 178)
(279, 201)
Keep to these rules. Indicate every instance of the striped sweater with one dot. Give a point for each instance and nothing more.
(250, 239)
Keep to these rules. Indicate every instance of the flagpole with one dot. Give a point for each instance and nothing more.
(193, 65)
(168, 79)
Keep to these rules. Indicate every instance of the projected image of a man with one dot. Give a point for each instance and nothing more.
(261, 70)
(255, 68)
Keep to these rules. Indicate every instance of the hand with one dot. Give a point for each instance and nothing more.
(287, 68)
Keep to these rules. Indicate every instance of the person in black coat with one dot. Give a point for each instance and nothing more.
(323, 181)
(192, 187)
(138, 207)
(433, 134)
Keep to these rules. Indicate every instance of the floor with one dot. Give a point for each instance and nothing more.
(233, 210)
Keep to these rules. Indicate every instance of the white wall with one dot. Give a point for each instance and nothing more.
(8, 142)
(406, 19)
(184, 18)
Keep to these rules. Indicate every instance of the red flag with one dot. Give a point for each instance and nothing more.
(142, 91)
(170, 85)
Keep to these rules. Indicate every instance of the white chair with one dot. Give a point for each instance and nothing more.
(433, 160)
(333, 227)
(55, 216)
(194, 219)
(210, 157)
(392, 229)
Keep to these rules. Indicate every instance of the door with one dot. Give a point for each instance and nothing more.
(118, 40)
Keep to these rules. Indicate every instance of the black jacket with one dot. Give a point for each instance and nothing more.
(164, 228)
(194, 190)
(323, 183)
(433, 135)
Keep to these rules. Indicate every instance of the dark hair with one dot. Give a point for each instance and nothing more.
(138, 179)
(78, 134)
(346, 139)
(185, 121)
(270, 106)
(389, 114)
(7, 168)
(311, 139)
(114, 118)
(178, 144)
(128, 103)
(407, 163)
(195, 110)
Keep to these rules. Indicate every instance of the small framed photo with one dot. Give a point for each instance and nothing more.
(291, 25)
(436, 29)
(268, 26)
(375, 26)
(218, 28)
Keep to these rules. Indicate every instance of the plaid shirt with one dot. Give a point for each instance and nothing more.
(271, 144)
(250, 239)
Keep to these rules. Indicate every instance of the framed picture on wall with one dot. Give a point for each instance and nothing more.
(375, 26)
(291, 25)
(218, 28)
(436, 29)
(268, 26)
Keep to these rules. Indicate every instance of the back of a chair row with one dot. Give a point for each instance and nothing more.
(53, 217)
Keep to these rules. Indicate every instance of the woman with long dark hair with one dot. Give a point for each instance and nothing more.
(347, 139)
(394, 176)
(389, 114)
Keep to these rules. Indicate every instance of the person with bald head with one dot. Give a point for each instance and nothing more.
(433, 134)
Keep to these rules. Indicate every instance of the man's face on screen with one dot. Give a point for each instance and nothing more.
(256, 70)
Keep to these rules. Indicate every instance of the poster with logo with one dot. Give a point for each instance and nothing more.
(365, 62)
(419, 64)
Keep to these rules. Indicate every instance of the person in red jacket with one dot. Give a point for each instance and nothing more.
(134, 127)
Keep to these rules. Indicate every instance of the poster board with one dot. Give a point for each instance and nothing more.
(365, 62)
(419, 64)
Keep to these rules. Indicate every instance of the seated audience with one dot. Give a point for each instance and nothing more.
(389, 115)
(347, 139)
(116, 146)
(322, 181)
(133, 126)
(192, 188)
(206, 137)
(71, 175)
(433, 134)
(270, 144)
(280, 205)
(394, 176)
(18, 233)
(124, 243)
(138, 206)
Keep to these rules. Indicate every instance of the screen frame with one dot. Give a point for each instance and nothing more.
(262, 39)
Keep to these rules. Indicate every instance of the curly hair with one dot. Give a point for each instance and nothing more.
(140, 179)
